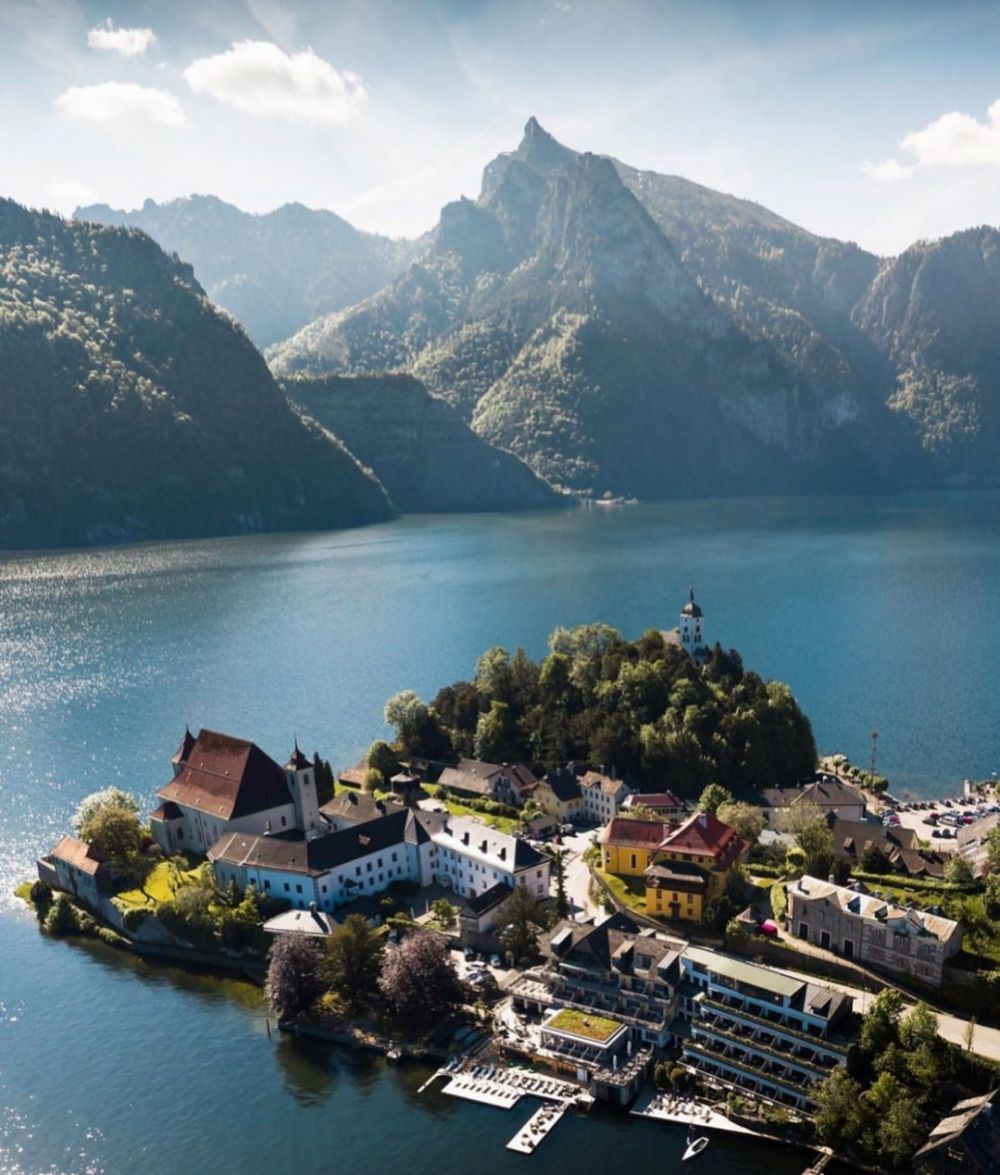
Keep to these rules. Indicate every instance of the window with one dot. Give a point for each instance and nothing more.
(298, 889)
(287, 887)
(267, 884)
(283, 822)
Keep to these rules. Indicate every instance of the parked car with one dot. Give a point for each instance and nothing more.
(496, 961)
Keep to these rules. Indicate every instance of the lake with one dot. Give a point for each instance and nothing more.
(879, 612)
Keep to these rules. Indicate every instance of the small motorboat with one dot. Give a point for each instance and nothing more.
(694, 1146)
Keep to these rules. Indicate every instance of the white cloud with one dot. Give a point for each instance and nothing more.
(121, 102)
(953, 140)
(261, 78)
(67, 195)
(127, 42)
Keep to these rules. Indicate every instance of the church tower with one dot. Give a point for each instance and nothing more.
(692, 629)
(301, 780)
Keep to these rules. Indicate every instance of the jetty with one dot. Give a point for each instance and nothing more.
(537, 1128)
(666, 1107)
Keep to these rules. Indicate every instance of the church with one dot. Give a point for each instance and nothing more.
(223, 784)
(690, 634)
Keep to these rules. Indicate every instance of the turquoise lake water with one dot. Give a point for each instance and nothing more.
(878, 612)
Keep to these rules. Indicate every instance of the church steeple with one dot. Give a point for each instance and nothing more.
(299, 774)
(692, 628)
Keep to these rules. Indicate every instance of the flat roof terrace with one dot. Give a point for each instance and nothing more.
(747, 975)
(584, 1026)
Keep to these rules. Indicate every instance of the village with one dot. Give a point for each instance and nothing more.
(709, 960)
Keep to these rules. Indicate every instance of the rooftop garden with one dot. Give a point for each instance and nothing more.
(585, 1024)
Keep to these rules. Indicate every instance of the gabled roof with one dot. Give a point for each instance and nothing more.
(654, 800)
(680, 875)
(357, 806)
(625, 833)
(182, 752)
(77, 853)
(488, 900)
(901, 920)
(473, 775)
(968, 1137)
(618, 943)
(851, 837)
(227, 777)
(823, 795)
(703, 834)
(563, 784)
(603, 783)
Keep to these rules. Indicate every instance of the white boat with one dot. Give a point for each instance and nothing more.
(694, 1147)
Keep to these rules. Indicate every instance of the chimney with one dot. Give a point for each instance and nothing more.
(703, 819)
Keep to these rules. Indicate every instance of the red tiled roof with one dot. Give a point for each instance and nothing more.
(641, 833)
(657, 799)
(705, 835)
(78, 853)
(227, 777)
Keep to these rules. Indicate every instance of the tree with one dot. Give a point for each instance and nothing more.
(418, 728)
(519, 920)
(294, 981)
(562, 901)
(108, 821)
(497, 737)
(713, 797)
(900, 1131)
(747, 819)
(874, 860)
(374, 780)
(958, 870)
(323, 774)
(444, 913)
(841, 1115)
(383, 758)
(113, 833)
(494, 679)
(352, 960)
(993, 850)
(418, 978)
(880, 1025)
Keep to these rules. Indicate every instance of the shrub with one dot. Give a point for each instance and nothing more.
(62, 918)
(134, 917)
(41, 898)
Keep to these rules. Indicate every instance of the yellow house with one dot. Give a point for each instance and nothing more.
(558, 794)
(628, 846)
(692, 865)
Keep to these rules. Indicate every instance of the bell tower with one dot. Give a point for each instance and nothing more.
(301, 780)
(692, 628)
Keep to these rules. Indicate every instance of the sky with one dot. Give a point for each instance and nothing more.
(874, 121)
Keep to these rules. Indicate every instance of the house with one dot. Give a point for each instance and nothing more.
(852, 837)
(834, 799)
(971, 842)
(354, 776)
(628, 846)
(542, 827)
(759, 1031)
(75, 868)
(558, 794)
(608, 997)
(966, 1140)
(663, 804)
(858, 925)
(313, 922)
(507, 783)
(477, 919)
(364, 859)
(223, 784)
(603, 796)
(355, 807)
(691, 866)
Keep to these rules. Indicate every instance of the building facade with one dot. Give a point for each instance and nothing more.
(853, 923)
(692, 865)
(760, 1031)
(603, 796)
(628, 846)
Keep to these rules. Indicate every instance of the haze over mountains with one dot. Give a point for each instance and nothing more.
(275, 272)
(133, 409)
(581, 324)
(634, 332)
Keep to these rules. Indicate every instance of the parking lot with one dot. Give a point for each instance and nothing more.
(943, 818)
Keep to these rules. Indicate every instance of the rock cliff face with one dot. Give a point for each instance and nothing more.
(425, 455)
(276, 271)
(133, 409)
(563, 315)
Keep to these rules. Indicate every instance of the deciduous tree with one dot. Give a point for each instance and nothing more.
(352, 960)
(418, 978)
(294, 981)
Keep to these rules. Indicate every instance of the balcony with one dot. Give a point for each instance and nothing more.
(735, 1011)
(698, 1054)
(751, 1045)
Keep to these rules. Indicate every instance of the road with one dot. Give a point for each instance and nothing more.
(578, 876)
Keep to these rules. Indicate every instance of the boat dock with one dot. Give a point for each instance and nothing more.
(667, 1107)
(488, 1093)
(536, 1128)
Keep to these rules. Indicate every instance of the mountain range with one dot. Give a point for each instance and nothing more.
(134, 409)
(276, 271)
(627, 331)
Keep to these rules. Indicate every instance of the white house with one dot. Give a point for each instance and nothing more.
(602, 795)
(223, 784)
(365, 859)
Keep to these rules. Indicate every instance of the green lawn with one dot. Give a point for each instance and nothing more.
(500, 823)
(160, 886)
(586, 1024)
(630, 891)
